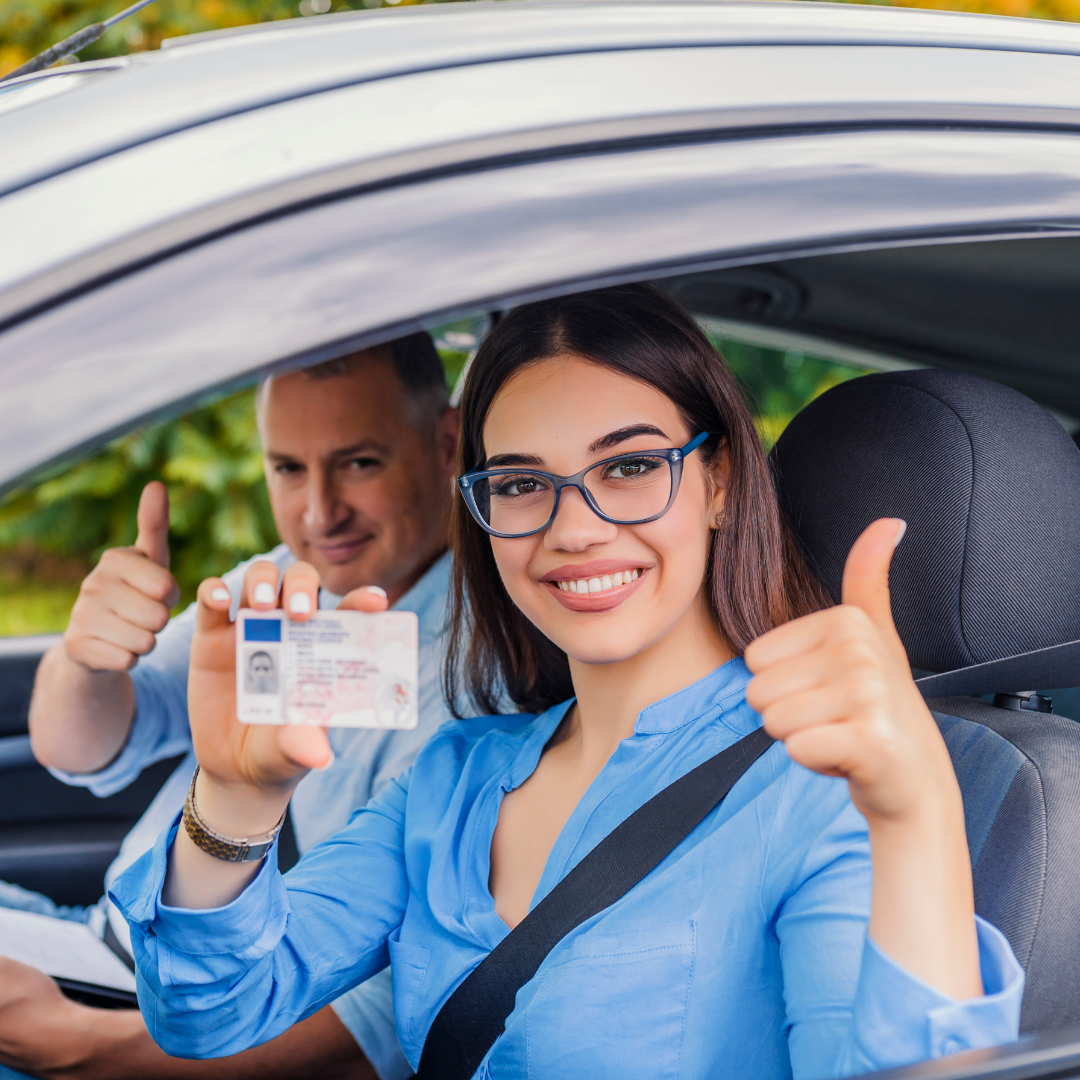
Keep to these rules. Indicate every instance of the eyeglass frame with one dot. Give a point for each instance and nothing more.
(674, 458)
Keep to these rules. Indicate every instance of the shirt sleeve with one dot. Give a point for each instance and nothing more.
(160, 729)
(279, 952)
(851, 1009)
(367, 1011)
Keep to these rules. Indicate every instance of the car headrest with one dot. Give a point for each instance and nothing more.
(989, 484)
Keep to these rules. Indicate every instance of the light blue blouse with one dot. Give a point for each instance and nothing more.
(744, 954)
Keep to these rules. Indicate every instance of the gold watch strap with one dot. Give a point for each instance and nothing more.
(231, 849)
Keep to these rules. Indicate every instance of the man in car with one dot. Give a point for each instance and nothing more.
(359, 456)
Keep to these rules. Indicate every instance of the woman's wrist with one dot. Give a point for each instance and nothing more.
(240, 810)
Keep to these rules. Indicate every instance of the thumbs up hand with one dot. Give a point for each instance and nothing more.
(836, 687)
(127, 598)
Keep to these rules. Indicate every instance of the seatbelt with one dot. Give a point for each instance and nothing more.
(474, 1015)
(1041, 669)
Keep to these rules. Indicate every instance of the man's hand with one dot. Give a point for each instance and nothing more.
(83, 703)
(127, 598)
(37, 1023)
(44, 1034)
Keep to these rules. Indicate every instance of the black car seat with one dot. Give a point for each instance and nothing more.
(986, 588)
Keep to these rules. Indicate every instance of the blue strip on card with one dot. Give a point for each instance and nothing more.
(262, 629)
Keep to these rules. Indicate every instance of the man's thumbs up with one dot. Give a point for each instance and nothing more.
(153, 522)
(127, 598)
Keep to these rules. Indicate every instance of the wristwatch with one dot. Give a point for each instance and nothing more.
(231, 849)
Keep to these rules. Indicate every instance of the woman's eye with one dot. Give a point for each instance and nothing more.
(630, 469)
(519, 485)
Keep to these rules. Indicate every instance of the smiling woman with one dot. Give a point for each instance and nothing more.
(646, 357)
(817, 922)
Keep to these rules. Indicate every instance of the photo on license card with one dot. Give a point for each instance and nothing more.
(337, 669)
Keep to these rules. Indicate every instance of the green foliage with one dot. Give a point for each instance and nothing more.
(212, 466)
(777, 383)
(28, 27)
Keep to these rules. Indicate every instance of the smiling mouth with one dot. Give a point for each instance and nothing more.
(599, 584)
(343, 548)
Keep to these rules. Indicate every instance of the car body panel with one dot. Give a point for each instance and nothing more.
(216, 174)
(213, 76)
(311, 283)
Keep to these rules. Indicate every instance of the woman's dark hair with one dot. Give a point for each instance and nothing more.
(757, 578)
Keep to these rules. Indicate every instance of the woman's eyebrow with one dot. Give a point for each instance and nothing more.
(501, 461)
(606, 442)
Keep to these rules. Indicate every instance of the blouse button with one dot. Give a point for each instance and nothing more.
(953, 1045)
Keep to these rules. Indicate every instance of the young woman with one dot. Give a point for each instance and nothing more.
(819, 922)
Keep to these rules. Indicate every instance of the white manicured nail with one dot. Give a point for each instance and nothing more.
(329, 761)
(264, 593)
(377, 591)
(300, 603)
(219, 594)
(900, 533)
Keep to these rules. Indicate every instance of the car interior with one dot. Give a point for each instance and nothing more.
(990, 486)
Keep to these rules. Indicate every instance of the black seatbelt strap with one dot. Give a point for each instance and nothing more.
(474, 1016)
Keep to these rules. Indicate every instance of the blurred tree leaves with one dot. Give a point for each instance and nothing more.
(212, 465)
(29, 26)
(779, 383)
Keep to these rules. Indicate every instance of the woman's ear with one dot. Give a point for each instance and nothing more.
(718, 471)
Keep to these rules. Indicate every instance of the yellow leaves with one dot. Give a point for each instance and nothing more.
(11, 57)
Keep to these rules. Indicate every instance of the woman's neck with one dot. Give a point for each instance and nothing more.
(611, 696)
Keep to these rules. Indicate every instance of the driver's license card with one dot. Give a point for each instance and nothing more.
(337, 669)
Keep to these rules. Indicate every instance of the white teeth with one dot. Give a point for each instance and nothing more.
(599, 584)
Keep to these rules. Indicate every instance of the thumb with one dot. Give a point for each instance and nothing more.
(866, 572)
(306, 746)
(153, 521)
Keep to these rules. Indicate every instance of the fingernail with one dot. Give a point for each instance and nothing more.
(220, 594)
(300, 603)
(377, 591)
(329, 761)
(900, 533)
(265, 593)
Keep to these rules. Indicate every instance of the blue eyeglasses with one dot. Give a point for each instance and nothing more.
(630, 489)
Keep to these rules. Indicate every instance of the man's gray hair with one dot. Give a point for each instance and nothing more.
(417, 366)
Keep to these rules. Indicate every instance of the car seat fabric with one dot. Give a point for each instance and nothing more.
(1038, 913)
(989, 484)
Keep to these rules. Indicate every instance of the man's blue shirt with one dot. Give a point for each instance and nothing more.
(744, 954)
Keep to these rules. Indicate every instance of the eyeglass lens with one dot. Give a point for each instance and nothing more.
(629, 488)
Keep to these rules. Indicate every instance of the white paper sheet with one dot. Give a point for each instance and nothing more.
(65, 950)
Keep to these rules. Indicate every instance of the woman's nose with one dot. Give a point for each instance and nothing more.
(575, 526)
